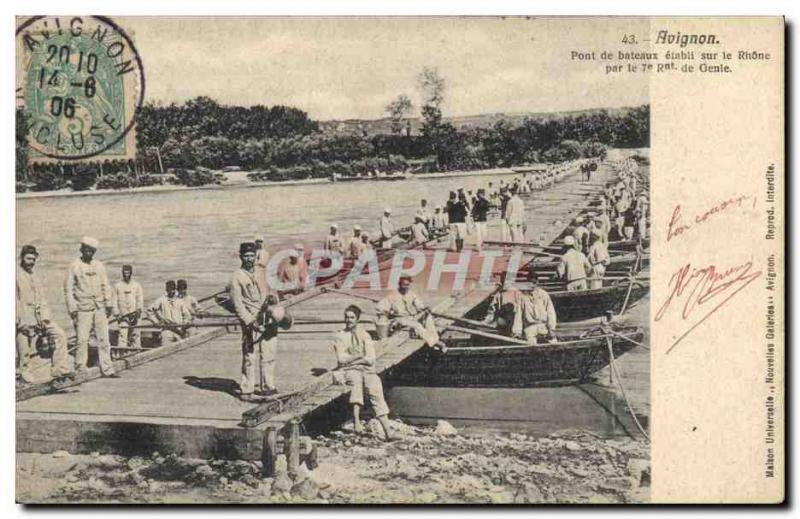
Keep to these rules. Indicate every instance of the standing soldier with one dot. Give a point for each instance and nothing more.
(515, 217)
(259, 317)
(262, 259)
(480, 212)
(387, 229)
(333, 242)
(599, 258)
(128, 307)
(573, 267)
(354, 246)
(34, 319)
(90, 304)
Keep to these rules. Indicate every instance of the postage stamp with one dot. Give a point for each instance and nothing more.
(81, 81)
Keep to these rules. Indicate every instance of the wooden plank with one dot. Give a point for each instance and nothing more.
(121, 364)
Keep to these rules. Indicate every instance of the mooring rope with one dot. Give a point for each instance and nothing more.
(622, 387)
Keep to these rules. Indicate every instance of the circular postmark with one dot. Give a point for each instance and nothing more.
(82, 81)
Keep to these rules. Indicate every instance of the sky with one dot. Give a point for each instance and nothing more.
(342, 68)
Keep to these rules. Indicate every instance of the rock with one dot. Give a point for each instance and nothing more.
(159, 460)
(204, 471)
(528, 494)
(426, 498)
(443, 428)
(135, 463)
(153, 485)
(306, 489)
(639, 470)
(281, 465)
(223, 480)
(72, 478)
(501, 498)
(136, 477)
(282, 484)
(95, 454)
(572, 446)
(620, 483)
(61, 454)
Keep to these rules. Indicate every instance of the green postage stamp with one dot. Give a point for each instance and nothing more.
(80, 81)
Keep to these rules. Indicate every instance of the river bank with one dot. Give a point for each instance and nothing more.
(426, 465)
(238, 180)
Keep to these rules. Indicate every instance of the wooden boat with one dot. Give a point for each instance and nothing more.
(471, 363)
(622, 263)
(580, 305)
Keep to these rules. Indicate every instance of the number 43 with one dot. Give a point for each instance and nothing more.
(629, 38)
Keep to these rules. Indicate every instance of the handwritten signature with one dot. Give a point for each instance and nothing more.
(677, 227)
(698, 288)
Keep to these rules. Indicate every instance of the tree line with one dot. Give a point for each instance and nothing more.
(279, 143)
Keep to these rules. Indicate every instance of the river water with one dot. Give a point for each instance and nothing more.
(194, 234)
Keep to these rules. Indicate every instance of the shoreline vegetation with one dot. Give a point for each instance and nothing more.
(199, 142)
(232, 182)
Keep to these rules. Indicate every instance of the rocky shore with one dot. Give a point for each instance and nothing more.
(424, 466)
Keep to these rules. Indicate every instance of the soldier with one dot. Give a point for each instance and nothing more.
(538, 314)
(573, 267)
(333, 242)
(259, 316)
(515, 217)
(171, 312)
(191, 302)
(354, 246)
(599, 258)
(387, 229)
(34, 320)
(128, 307)
(355, 357)
(89, 304)
(404, 309)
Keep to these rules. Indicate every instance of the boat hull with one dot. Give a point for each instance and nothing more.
(571, 361)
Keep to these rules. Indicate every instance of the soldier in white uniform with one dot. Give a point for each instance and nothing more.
(34, 319)
(169, 310)
(355, 358)
(191, 302)
(404, 308)
(259, 323)
(515, 218)
(89, 303)
(128, 307)
(573, 268)
(334, 243)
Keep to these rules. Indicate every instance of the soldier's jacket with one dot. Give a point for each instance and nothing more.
(246, 295)
(31, 306)
(128, 297)
(86, 287)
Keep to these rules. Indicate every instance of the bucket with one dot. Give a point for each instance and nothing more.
(382, 328)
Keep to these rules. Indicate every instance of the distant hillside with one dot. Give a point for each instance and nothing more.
(383, 126)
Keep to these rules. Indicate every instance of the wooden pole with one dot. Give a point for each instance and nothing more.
(269, 453)
(292, 442)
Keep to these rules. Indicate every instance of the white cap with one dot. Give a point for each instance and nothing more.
(356, 227)
(259, 238)
(579, 219)
(299, 246)
(334, 226)
(387, 210)
(569, 240)
(89, 241)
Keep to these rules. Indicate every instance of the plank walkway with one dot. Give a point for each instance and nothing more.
(185, 402)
